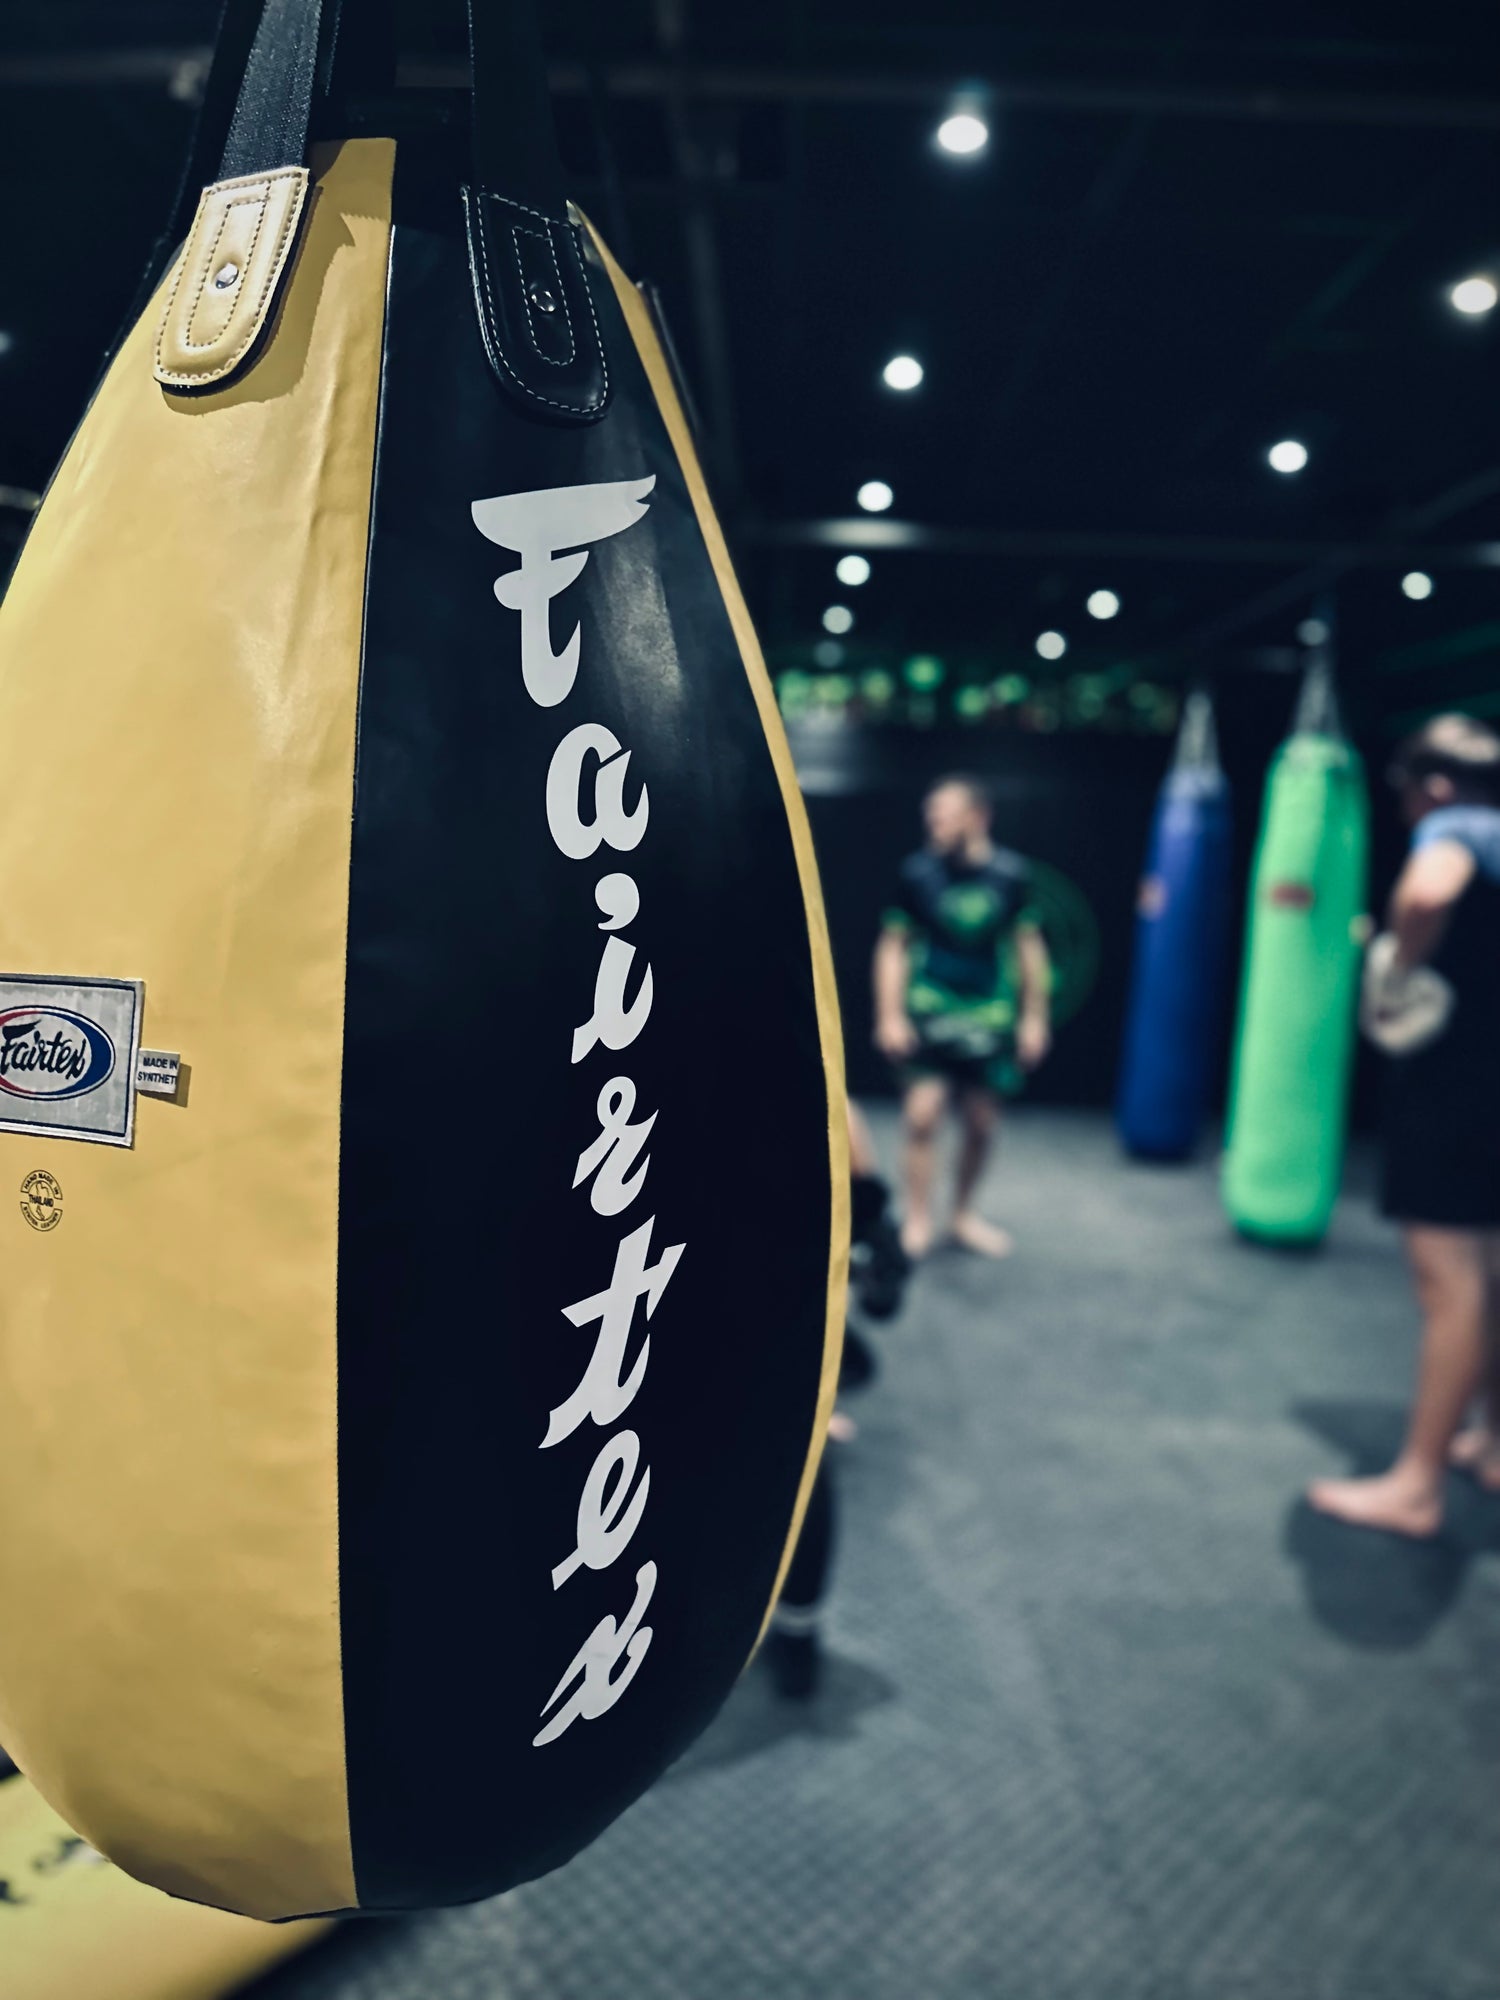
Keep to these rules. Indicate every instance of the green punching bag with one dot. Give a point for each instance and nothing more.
(1297, 1007)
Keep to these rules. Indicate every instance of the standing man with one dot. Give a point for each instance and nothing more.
(962, 1001)
(1432, 1002)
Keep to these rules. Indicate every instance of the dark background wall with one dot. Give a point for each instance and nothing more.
(1082, 804)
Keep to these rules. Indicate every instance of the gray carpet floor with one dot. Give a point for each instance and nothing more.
(1108, 1713)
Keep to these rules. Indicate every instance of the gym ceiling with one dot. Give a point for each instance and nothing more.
(1196, 231)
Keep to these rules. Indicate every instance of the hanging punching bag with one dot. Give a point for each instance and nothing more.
(1297, 1007)
(1181, 936)
(414, 978)
(77, 1929)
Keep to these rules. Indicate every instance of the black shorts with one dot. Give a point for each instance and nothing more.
(1441, 1139)
(997, 1072)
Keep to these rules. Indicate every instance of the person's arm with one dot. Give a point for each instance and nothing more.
(1034, 1027)
(1422, 901)
(894, 1034)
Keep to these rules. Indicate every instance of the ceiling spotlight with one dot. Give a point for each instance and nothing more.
(852, 570)
(1288, 456)
(828, 653)
(1313, 632)
(1474, 295)
(902, 371)
(1103, 604)
(1417, 583)
(838, 618)
(874, 496)
(963, 133)
(1051, 645)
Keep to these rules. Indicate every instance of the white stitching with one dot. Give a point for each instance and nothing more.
(257, 316)
(537, 236)
(495, 354)
(265, 182)
(261, 202)
(475, 215)
(588, 293)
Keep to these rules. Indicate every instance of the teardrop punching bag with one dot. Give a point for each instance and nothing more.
(1290, 1086)
(410, 1410)
(1181, 939)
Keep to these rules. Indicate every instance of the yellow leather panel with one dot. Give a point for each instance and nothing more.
(648, 346)
(222, 294)
(77, 1929)
(179, 665)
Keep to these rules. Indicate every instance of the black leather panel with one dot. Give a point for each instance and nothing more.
(536, 309)
(475, 949)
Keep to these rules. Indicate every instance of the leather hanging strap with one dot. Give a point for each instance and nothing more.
(231, 51)
(531, 284)
(224, 291)
(532, 295)
(533, 300)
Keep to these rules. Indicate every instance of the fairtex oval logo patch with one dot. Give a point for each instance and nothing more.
(52, 1053)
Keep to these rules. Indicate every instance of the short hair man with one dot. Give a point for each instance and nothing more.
(962, 998)
(1432, 1000)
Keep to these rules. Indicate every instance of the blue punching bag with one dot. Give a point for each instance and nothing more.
(1181, 941)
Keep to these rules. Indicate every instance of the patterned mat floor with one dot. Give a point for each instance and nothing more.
(1109, 1715)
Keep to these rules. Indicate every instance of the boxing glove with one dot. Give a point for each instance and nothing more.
(1402, 1008)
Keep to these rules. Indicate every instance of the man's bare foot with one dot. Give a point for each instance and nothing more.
(916, 1236)
(1473, 1444)
(1477, 1452)
(987, 1239)
(1401, 1503)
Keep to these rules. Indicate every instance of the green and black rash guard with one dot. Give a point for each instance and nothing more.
(960, 919)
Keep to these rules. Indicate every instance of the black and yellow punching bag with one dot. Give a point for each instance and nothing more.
(1288, 1096)
(74, 1928)
(413, 985)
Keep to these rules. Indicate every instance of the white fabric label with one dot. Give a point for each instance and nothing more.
(68, 1053)
(157, 1072)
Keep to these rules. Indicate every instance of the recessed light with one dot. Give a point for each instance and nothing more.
(1474, 295)
(902, 371)
(962, 133)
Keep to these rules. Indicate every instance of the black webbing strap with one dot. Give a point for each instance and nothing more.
(515, 140)
(231, 51)
(238, 20)
(274, 112)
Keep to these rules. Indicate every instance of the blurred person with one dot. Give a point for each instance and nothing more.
(878, 1265)
(962, 1002)
(877, 1279)
(794, 1644)
(1432, 1002)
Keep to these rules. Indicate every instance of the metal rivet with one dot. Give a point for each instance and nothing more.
(225, 276)
(541, 298)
